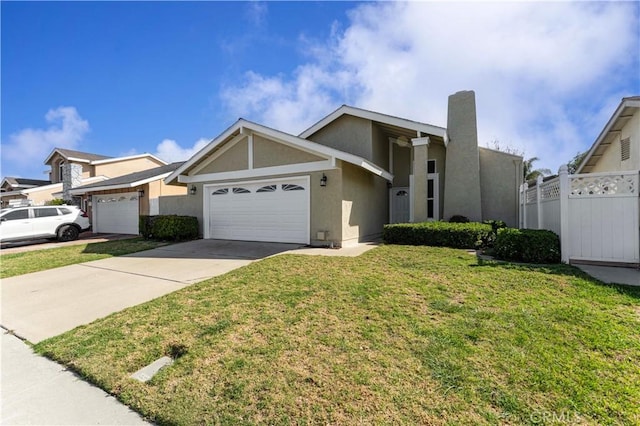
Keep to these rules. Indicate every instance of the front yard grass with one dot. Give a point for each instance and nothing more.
(40, 260)
(399, 335)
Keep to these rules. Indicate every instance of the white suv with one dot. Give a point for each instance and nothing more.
(28, 223)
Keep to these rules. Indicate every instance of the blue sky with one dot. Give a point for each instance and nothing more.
(120, 78)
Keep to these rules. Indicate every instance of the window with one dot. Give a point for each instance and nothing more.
(431, 166)
(241, 191)
(60, 173)
(402, 193)
(17, 215)
(64, 211)
(292, 187)
(52, 211)
(625, 149)
(221, 191)
(268, 188)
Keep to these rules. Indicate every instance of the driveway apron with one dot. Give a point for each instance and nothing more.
(44, 304)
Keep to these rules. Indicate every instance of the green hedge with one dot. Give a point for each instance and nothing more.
(169, 227)
(527, 245)
(440, 234)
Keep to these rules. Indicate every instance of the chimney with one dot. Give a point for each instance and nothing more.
(462, 172)
(71, 177)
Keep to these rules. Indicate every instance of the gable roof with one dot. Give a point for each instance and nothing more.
(618, 120)
(69, 154)
(24, 182)
(93, 159)
(129, 181)
(241, 127)
(384, 119)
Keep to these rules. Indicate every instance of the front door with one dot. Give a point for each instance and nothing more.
(400, 205)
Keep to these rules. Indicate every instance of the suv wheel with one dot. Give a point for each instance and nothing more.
(68, 233)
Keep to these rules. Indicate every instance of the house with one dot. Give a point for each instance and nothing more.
(69, 169)
(342, 179)
(115, 204)
(12, 189)
(617, 148)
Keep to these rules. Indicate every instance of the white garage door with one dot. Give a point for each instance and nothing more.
(276, 211)
(116, 213)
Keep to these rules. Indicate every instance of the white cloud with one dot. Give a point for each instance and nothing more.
(537, 69)
(27, 148)
(256, 12)
(169, 150)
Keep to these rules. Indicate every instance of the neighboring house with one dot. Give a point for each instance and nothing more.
(13, 189)
(346, 176)
(69, 169)
(115, 204)
(617, 148)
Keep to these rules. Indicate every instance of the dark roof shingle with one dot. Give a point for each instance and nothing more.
(134, 177)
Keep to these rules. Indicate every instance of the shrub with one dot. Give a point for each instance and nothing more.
(527, 245)
(56, 202)
(440, 234)
(168, 227)
(458, 218)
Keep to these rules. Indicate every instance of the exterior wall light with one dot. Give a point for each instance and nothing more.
(193, 190)
(323, 180)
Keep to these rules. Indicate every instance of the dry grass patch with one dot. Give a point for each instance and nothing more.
(399, 335)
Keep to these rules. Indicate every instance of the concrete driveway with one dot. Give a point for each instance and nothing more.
(44, 304)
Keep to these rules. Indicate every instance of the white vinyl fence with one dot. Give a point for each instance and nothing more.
(596, 215)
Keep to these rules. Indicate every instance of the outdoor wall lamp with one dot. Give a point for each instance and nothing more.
(193, 190)
(323, 180)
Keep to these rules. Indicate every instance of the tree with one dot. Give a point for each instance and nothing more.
(530, 173)
(575, 162)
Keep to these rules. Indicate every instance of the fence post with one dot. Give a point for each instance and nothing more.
(565, 235)
(525, 186)
(538, 200)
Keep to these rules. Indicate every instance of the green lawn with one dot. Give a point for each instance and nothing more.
(399, 335)
(40, 260)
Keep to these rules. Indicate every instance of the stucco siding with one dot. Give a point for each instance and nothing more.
(184, 205)
(326, 207)
(500, 177)
(365, 205)
(125, 167)
(611, 159)
(267, 153)
(379, 147)
(235, 158)
(349, 134)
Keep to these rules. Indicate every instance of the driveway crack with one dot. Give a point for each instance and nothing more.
(134, 273)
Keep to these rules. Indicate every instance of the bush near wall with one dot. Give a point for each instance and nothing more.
(527, 245)
(168, 227)
(440, 234)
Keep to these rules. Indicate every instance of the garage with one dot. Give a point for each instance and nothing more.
(274, 210)
(116, 213)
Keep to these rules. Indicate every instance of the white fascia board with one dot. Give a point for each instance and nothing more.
(204, 151)
(632, 103)
(130, 157)
(81, 190)
(78, 160)
(42, 188)
(374, 116)
(315, 166)
(11, 193)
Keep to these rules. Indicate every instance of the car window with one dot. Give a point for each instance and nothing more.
(52, 211)
(64, 211)
(16, 215)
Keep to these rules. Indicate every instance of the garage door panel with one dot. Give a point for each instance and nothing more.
(116, 213)
(273, 214)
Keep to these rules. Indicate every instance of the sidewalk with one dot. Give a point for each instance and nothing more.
(37, 391)
(612, 274)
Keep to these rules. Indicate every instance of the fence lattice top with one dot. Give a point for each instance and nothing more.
(590, 185)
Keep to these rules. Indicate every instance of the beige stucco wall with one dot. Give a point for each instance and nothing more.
(326, 207)
(54, 173)
(365, 204)
(235, 158)
(611, 160)
(500, 177)
(158, 188)
(379, 147)
(184, 205)
(267, 153)
(125, 167)
(349, 134)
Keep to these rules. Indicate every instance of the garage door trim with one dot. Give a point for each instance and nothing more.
(208, 188)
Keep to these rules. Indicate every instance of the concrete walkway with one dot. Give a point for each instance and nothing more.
(612, 274)
(37, 391)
